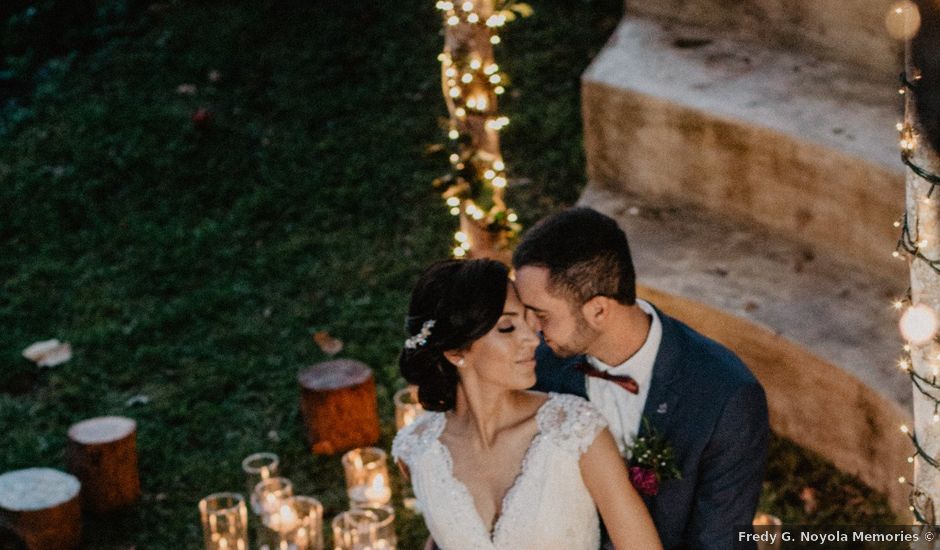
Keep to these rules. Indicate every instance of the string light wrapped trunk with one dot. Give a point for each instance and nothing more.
(471, 82)
(920, 243)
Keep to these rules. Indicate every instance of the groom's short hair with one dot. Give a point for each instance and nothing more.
(586, 254)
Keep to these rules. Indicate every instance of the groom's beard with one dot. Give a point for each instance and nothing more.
(579, 342)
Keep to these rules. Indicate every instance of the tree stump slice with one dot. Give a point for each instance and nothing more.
(102, 452)
(42, 505)
(339, 406)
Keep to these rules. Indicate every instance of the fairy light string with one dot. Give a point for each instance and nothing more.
(471, 81)
(919, 323)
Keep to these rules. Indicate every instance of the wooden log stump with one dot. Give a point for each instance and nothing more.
(338, 405)
(102, 452)
(42, 506)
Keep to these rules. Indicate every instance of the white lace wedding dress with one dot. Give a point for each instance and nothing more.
(547, 507)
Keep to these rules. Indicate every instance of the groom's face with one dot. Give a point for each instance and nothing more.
(561, 323)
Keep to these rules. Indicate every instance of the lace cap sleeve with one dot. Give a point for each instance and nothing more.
(573, 422)
(415, 437)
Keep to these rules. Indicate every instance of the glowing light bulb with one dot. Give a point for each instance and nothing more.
(454, 211)
(451, 72)
(903, 20)
(489, 174)
(472, 103)
(910, 460)
(499, 182)
(455, 92)
(453, 134)
(899, 126)
(459, 252)
(465, 245)
(495, 40)
(460, 112)
(499, 90)
(475, 64)
(918, 324)
(454, 157)
(901, 479)
(453, 201)
(473, 18)
(466, 78)
(498, 165)
(904, 429)
(460, 237)
(512, 217)
(467, 6)
(490, 69)
(495, 79)
(897, 304)
(453, 20)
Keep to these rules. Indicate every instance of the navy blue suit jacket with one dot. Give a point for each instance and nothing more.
(706, 403)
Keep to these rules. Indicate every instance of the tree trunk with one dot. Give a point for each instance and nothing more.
(102, 452)
(339, 406)
(42, 506)
(923, 230)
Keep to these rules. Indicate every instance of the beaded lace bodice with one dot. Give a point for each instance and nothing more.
(547, 507)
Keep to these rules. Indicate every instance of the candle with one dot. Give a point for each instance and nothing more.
(268, 495)
(384, 529)
(297, 525)
(361, 529)
(407, 407)
(259, 467)
(366, 477)
(224, 519)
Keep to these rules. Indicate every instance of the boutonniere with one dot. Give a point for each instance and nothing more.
(652, 461)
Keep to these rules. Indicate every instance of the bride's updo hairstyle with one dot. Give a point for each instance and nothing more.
(454, 303)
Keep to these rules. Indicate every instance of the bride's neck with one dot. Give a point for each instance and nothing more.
(484, 412)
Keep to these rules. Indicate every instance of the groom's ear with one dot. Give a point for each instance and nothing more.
(596, 311)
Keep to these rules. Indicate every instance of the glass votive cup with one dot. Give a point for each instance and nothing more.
(367, 481)
(298, 525)
(224, 519)
(385, 537)
(355, 529)
(259, 467)
(268, 495)
(407, 406)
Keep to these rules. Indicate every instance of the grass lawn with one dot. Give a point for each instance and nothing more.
(190, 263)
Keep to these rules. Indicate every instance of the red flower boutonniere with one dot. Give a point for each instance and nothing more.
(652, 461)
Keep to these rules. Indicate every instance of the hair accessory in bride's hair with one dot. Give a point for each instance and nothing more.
(420, 339)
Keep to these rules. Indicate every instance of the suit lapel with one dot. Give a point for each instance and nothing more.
(664, 392)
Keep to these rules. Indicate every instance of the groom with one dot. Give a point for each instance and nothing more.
(574, 273)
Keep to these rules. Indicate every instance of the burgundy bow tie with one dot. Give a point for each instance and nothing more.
(624, 381)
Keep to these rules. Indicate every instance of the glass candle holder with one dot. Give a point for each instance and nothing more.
(385, 538)
(297, 525)
(259, 467)
(268, 495)
(224, 521)
(407, 406)
(356, 529)
(367, 482)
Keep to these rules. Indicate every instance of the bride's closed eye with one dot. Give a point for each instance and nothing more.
(510, 328)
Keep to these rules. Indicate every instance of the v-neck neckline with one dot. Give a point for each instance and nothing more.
(506, 502)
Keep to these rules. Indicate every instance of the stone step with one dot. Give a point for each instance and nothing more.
(801, 145)
(819, 333)
(848, 31)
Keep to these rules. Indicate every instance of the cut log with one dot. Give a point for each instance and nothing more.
(338, 405)
(42, 506)
(102, 452)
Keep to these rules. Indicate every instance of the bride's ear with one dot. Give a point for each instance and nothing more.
(455, 358)
(596, 311)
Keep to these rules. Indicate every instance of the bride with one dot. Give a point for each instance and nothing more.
(495, 466)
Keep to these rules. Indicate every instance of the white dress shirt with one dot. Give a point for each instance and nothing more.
(622, 409)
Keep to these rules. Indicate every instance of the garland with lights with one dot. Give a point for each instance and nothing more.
(471, 81)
